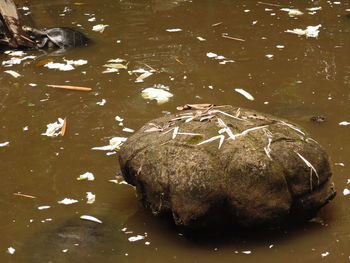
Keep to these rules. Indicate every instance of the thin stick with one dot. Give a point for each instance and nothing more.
(28, 39)
(216, 24)
(262, 3)
(233, 38)
(69, 87)
(23, 195)
(64, 127)
(179, 61)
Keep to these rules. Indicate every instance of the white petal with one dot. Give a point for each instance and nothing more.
(245, 94)
(91, 218)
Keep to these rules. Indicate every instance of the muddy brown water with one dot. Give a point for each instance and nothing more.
(303, 77)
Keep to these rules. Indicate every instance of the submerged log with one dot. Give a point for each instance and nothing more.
(11, 24)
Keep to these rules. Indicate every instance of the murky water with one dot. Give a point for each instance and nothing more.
(289, 76)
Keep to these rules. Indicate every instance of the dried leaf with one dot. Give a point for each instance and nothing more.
(64, 127)
(143, 76)
(99, 28)
(116, 66)
(44, 62)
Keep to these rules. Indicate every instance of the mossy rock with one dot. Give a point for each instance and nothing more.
(258, 169)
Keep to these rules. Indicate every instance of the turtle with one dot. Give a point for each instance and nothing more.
(57, 37)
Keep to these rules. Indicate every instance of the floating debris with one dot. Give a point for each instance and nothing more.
(99, 28)
(54, 129)
(44, 207)
(11, 250)
(24, 195)
(15, 53)
(245, 94)
(13, 73)
(15, 61)
(247, 252)
(114, 144)
(325, 254)
(78, 62)
(136, 238)
(67, 201)
(91, 218)
(102, 102)
(118, 118)
(314, 8)
(115, 66)
(292, 12)
(344, 123)
(91, 198)
(232, 38)
(201, 39)
(86, 176)
(59, 66)
(158, 94)
(174, 30)
(310, 31)
(346, 191)
(219, 57)
(143, 76)
(3, 144)
(69, 87)
(128, 130)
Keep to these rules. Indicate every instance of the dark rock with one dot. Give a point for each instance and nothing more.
(266, 172)
(318, 118)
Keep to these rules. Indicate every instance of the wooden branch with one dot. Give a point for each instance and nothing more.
(12, 25)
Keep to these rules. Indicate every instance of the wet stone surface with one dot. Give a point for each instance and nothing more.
(227, 164)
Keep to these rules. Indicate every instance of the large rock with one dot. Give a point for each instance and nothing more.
(257, 170)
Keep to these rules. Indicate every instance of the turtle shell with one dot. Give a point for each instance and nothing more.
(65, 37)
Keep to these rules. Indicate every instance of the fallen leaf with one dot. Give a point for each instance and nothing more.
(143, 76)
(116, 66)
(44, 62)
(64, 127)
(86, 176)
(99, 28)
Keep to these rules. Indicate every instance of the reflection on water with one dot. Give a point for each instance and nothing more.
(291, 76)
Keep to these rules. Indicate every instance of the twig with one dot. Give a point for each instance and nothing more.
(69, 87)
(233, 38)
(221, 137)
(216, 24)
(312, 168)
(179, 61)
(23, 195)
(26, 38)
(262, 3)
